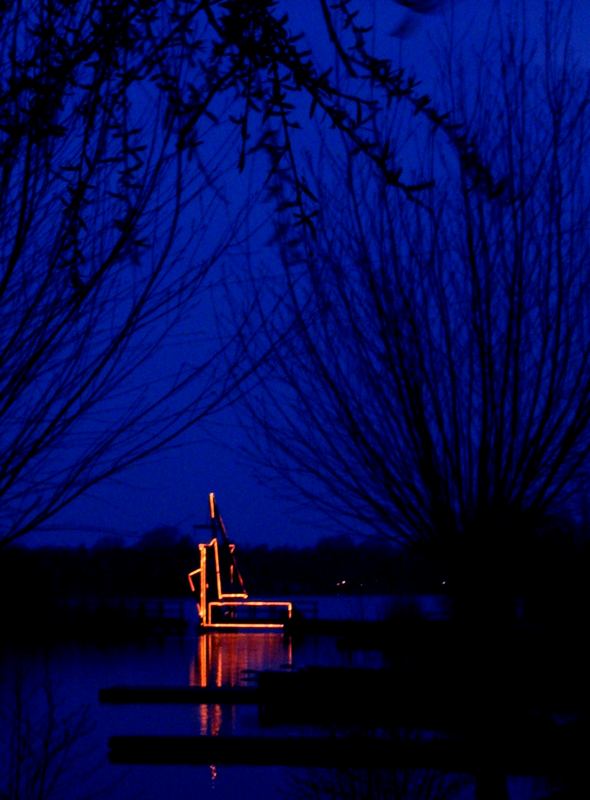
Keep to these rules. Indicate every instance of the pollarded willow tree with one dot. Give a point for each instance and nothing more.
(434, 383)
(118, 120)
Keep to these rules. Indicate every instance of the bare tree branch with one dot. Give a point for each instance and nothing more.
(434, 384)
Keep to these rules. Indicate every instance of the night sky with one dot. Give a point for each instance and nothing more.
(171, 488)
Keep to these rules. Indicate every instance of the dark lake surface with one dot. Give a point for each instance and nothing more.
(49, 701)
(45, 691)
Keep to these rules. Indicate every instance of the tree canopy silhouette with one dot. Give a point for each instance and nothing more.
(434, 378)
(117, 120)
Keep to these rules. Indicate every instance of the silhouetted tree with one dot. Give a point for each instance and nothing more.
(432, 380)
(111, 114)
(95, 268)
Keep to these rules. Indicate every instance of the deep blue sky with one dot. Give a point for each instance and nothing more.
(171, 489)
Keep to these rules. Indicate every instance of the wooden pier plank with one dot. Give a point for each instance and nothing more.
(120, 695)
(535, 756)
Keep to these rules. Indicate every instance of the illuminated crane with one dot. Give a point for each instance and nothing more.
(222, 596)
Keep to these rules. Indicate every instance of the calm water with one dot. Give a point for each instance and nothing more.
(51, 698)
(49, 702)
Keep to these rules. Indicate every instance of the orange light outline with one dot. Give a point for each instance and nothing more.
(285, 603)
(190, 577)
(204, 609)
(267, 625)
(217, 567)
(249, 625)
(221, 594)
(203, 587)
(206, 619)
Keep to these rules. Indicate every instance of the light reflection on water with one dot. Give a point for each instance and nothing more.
(230, 659)
(225, 659)
(76, 672)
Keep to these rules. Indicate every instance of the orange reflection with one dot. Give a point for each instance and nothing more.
(225, 659)
(229, 659)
